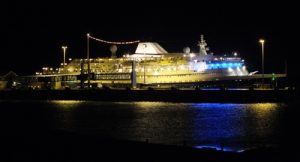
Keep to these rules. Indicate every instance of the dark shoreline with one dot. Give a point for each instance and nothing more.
(235, 96)
(57, 145)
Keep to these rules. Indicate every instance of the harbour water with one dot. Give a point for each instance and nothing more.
(234, 126)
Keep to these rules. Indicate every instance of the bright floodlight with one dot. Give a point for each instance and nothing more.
(262, 41)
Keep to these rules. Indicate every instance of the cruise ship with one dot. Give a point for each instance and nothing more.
(150, 65)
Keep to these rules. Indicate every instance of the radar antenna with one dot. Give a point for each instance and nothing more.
(202, 46)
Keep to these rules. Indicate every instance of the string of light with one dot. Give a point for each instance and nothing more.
(110, 42)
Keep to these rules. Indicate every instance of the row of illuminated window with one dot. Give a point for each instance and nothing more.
(223, 65)
(108, 77)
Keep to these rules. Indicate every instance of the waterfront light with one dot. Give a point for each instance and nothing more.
(144, 51)
(64, 52)
(88, 57)
(262, 41)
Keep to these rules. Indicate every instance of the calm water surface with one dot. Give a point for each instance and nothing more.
(236, 126)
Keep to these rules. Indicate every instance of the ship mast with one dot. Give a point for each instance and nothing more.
(202, 46)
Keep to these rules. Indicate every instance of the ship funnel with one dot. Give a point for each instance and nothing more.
(150, 48)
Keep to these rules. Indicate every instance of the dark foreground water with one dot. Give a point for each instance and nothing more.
(236, 126)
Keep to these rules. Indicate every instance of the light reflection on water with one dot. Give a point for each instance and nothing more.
(67, 103)
(237, 124)
(193, 124)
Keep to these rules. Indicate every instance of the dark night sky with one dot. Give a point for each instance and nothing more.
(34, 32)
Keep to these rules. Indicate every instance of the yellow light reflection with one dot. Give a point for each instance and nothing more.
(148, 105)
(265, 106)
(264, 110)
(67, 103)
(264, 117)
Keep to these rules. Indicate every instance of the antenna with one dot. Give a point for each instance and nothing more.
(202, 46)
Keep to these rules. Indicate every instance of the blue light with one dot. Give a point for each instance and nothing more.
(212, 66)
(216, 105)
(224, 65)
(217, 148)
(220, 120)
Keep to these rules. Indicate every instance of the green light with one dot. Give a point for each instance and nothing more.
(273, 77)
